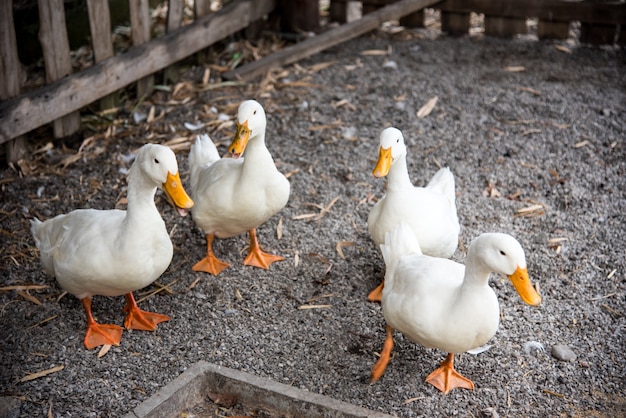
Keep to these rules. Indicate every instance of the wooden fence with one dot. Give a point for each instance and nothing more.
(60, 100)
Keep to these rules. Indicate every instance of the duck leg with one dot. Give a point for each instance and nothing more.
(99, 334)
(376, 295)
(385, 355)
(210, 264)
(445, 378)
(138, 319)
(256, 257)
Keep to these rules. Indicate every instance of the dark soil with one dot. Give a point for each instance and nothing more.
(551, 137)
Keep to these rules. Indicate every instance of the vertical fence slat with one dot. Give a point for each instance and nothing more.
(174, 20)
(56, 52)
(9, 74)
(140, 33)
(202, 7)
(101, 41)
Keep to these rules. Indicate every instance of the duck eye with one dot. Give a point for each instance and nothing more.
(254, 112)
(502, 252)
(156, 161)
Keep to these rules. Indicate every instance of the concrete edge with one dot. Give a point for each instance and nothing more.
(192, 386)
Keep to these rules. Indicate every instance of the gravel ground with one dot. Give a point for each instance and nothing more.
(549, 138)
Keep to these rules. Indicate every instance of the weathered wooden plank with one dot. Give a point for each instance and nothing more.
(330, 38)
(31, 110)
(56, 52)
(548, 10)
(504, 27)
(202, 8)
(140, 33)
(9, 60)
(174, 20)
(101, 41)
(15, 149)
(174, 14)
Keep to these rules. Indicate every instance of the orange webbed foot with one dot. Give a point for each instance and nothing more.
(261, 259)
(256, 257)
(139, 319)
(445, 378)
(211, 265)
(101, 334)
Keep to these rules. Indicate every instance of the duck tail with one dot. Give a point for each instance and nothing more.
(203, 153)
(399, 242)
(443, 182)
(35, 227)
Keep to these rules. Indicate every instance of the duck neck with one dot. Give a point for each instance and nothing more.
(476, 271)
(256, 151)
(140, 196)
(398, 176)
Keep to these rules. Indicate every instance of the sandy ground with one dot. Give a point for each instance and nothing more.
(533, 132)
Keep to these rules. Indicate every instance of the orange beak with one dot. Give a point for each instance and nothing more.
(238, 146)
(384, 162)
(522, 284)
(176, 193)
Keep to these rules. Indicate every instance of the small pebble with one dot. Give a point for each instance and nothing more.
(563, 352)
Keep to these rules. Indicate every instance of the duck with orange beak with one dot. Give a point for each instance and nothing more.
(115, 252)
(439, 303)
(239, 194)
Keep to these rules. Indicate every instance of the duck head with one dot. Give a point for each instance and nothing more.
(251, 122)
(391, 148)
(159, 164)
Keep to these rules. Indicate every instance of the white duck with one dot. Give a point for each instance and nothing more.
(430, 211)
(115, 252)
(439, 303)
(235, 195)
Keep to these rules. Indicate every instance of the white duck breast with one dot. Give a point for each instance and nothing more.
(114, 252)
(235, 195)
(429, 211)
(439, 303)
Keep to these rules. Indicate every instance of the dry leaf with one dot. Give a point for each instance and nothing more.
(563, 48)
(29, 297)
(341, 244)
(532, 210)
(24, 287)
(371, 52)
(581, 144)
(42, 373)
(279, 228)
(427, 108)
(530, 90)
(305, 307)
(223, 399)
(105, 349)
(150, 118)
(321, 66)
